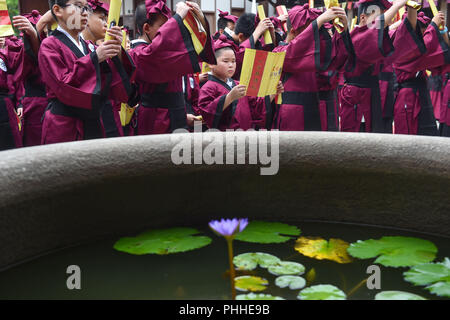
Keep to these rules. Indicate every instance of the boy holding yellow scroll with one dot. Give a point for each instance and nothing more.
(223, 103)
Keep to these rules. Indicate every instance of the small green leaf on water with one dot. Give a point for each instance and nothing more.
(395, 251)
(321, 292)
(293, 282)
(250, 283)
(436, 276)
(267, 232)
(397, 295)
(311, 276)
(250, 260)
(162, 242)
(286, 268)
(259, 296)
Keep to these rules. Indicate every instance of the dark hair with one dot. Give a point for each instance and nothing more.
(363, 8)
(220, 51)
(245, 24)
(141, 18)
(61, 3)
(222, 23)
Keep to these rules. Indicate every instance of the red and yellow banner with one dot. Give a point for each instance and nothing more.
(198, 34)
(261, 72)
(6, 29)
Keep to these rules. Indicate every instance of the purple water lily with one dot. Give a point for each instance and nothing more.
(228, 227)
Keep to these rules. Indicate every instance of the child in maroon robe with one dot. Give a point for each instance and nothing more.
(310, 50)
(360, 97)
(34, 97)
(10, 60)
(444, 117)
(95, 32)
(225, 25)
(413, 111)
(223, 104)
(163, 55)
(79, 77)
(436, 84)
(247, 33)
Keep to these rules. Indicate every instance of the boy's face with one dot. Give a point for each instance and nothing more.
(152, 30)
(74, 14)
(226, 64)
(230, 25)
(98, 24)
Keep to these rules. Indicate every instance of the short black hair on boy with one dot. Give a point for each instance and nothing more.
(222, 23)
(220, 51)
(245, 24)
(141, 18)
(61, 3)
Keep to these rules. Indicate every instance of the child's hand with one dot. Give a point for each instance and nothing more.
(237, 92)
(24, 25)
(116, 34)
(283, 18)
(20, 112)
(108, 49)
(182, 9)
(262, 27)
(439, 19)
(280, 88)
(191, 119)
(203, 77)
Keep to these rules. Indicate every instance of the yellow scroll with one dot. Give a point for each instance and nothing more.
(262, 16)
(435, 11)
(353, 23)
(261, 72)
(205, 67)
(114, 15)
(124, 41)
(126, 114)
(6, 29)
(337, 22)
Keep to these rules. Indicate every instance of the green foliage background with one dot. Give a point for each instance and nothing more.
(13, 7)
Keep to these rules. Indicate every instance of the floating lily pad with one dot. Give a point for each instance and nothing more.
(395, 251)
(293, 282)
(436, 276)
(267, 232)
(318, 248)
(249, 261)
(397, 295)
(250, 283)
(162, 242)
(260, 296)
(322, 292)
(286, 268)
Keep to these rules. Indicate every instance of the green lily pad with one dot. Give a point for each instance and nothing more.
(293, 282)
(395, 251)
(286, 268)
(436, 276)
(250, 283)
(162, 242)
(249, 261)
(322, 292)
(397, 295)
(260, 296)
(267, 232)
